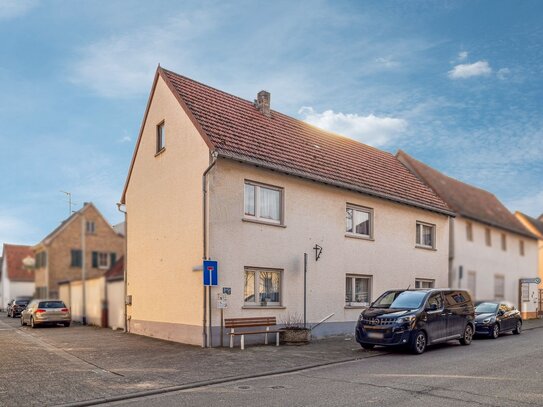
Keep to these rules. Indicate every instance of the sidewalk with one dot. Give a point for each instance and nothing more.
(82, 363)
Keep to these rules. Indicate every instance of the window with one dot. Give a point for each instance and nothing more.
(472, 283)
(76, 258)
(263, 202)
(469, 231)
(160, 137)
(357, 290)
(504, 242)
(262, 287)
(41, 260)
(435, 302)
(425, 235)
(499, 287)
(102, 259)
(488, 237)
(90, 227)
(424, 283)
(521, 247)
(359, 221)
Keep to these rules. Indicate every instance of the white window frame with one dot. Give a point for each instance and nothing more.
(257, 215)
(100, 264)
(160, 136)
(420, 281)
(353, 278)
(498, 277)
(363, 209)
(419, 235)
(256, 282)
(90, 227)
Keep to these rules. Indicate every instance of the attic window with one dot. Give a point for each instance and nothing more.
(160, 137)
(90, 227)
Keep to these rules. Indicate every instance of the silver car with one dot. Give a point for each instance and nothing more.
(46, 312)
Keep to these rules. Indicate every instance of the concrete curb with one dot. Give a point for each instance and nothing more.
(222, 380)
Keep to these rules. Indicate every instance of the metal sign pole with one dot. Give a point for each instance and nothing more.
(305, 290)
(210, 326)
(222, 326)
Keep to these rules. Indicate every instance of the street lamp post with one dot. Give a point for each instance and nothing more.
(83, 271)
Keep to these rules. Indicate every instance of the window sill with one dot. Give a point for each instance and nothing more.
(263, 307)
(263, 222)
(160, 151)
(433, 249)
(361, 237)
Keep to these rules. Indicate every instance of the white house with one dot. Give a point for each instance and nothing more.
(16, 279)
(219, 177)
(490, 250)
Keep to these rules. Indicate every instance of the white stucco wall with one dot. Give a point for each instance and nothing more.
(315, 214)
(164, 226)
(115, 299)
(487, 261)
(94, 296)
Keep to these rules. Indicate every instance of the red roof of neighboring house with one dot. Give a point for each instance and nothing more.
(236, 129)
(14, 255)
(116, 272)
(466, 200)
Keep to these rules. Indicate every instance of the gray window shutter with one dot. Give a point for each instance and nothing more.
(95, 259)
(113, 259)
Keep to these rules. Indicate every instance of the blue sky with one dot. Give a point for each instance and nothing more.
(456, 84)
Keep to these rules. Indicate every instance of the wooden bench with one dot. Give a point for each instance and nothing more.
(235, 323)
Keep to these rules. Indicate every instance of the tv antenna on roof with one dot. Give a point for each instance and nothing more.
(70, 203)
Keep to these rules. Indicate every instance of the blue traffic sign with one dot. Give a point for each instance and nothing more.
(211, 273)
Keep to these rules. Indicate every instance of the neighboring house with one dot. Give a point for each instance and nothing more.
(104, 297)
(16, 279)
(59, 256)
(535, 226)
(268, 189)
(490, 249)
(120, 228)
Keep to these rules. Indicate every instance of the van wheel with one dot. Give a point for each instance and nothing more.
(468, 335)
(367, 346)
(418, 343)
(518, 329)
(495, 331)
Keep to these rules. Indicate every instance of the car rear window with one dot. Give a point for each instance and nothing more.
(21, 302)
(51, 304)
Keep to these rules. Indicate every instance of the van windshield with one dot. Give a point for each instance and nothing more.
(400, 300)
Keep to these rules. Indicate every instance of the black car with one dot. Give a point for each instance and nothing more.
(493, 318)
(417, 318)
(16, 306)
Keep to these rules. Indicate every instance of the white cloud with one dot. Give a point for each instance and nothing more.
(463, 71)
(123, 65)
(463, 55)
(15, 8)
(503, 73)
(371, 129)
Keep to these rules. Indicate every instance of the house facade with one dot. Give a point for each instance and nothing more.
(217, 177)
(535, 226)
(490, 250)
(59, 256)
(16, 278)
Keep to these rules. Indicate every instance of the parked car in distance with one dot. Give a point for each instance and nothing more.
(417, 318)
(46, 312)
(493, 318)
(16, 306)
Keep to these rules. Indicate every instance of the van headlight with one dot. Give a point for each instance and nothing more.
(405, 320)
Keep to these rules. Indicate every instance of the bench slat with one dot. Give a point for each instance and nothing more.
(249, 322)
(252, 332)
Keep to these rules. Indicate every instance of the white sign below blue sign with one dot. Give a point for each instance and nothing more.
(211, 273)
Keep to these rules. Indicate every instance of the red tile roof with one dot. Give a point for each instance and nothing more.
(116, 272)
(466, 200)
(235, 129)
(14, 255)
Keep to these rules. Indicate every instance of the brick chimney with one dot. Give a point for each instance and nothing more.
(262, 102)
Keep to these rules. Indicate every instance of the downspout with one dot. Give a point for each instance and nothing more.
(125, 265)
(204, 251)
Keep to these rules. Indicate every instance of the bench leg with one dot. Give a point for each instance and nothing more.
(277, 339)
(242, 342)
(231, 339)
(266, 337)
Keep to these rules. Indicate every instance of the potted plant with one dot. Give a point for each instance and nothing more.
(293, 331)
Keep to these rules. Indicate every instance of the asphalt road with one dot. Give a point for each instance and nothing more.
(503, 372)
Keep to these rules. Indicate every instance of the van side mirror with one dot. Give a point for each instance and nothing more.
(501, 312)
(431, 307)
